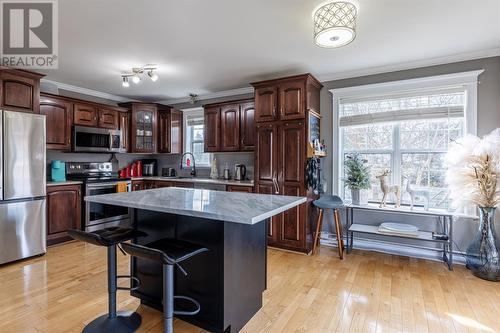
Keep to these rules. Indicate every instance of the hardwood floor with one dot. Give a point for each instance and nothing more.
(367, 292)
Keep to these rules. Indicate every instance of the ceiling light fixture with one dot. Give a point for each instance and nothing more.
(136, 73)
(335, 23)
(125, 81)
(152, 75)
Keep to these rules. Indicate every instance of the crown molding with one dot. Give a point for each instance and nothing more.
(89, 92)
(410, 65)
(218, 94)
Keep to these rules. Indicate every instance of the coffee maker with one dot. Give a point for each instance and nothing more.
(240, 172)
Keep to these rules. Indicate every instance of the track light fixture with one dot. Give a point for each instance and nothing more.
(125, 81)
(136, 73)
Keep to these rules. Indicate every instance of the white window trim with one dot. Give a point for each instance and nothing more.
(196, 111)
(469, 80)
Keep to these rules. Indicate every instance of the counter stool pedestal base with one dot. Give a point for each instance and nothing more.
(124, 322)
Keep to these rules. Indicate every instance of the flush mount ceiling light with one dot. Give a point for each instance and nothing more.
(136, 73)
(335, 23)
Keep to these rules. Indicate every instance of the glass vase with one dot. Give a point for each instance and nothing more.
(483, 254)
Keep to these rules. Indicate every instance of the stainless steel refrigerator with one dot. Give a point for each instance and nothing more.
(22, 185)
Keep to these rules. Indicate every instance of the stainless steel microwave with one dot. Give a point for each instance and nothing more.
(96, 140)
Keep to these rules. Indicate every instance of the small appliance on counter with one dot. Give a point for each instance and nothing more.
(240, 172)
(58, 171)
(149, 167)
(168, 172)
(226, 175)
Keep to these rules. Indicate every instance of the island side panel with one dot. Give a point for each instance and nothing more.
(245, 268)
(213, 277)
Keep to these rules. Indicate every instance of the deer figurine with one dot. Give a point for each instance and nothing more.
(388, 189)
(416, 193)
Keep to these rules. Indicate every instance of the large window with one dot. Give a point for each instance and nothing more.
(194, 137)
(408, 133)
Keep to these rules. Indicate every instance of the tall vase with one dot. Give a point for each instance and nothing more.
(483, 255)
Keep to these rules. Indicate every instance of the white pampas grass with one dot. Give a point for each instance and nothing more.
(473, 170)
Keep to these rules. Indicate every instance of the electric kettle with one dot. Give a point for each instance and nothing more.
(240, 172)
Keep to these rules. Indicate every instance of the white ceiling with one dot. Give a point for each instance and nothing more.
(205, 46)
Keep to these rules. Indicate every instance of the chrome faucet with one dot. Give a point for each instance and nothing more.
(193, 171)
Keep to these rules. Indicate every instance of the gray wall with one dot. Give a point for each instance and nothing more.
(488, 118)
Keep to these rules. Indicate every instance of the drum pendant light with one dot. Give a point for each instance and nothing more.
(335, 23)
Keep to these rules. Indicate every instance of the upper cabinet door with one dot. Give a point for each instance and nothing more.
(266, 155)
(124, 125)
(292, 100)
(164, 132)
(108, 118)
(292, 153)
(85, 114)
(247, 126)
(20, 91)
(230, 127)
(212, 129)
(266, 100)
(176, 132)
(144, 129)
(59, 117)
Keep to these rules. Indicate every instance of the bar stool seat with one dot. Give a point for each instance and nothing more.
(334, 203)
(119, 322)
(168, 252)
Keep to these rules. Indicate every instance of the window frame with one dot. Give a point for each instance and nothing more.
(468, 80)
(196, 111)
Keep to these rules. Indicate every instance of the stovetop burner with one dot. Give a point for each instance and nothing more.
(93, 172)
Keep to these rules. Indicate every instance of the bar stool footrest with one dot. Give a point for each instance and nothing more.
(133, 278)
(188, 313)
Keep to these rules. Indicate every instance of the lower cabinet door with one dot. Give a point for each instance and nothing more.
(64, 205)
(237, 188)
(275, 221)
(137, 185)
(293, 223)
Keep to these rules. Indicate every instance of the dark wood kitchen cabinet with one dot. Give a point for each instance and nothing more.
(143, 126)
(59, 118)
(288, 98)
(108, 118)
(19, 90)
(212, 129)
(281, 112)
(85, 114)
(124, 126)
(238, 188)
(247, 126)
(64, 204)
(170, 131)
(229, 126)
(137, 185)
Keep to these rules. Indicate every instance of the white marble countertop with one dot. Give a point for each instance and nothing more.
(198, 180)
(238, 207)
(66, 182)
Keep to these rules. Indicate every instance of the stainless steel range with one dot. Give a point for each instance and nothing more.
(99, 178)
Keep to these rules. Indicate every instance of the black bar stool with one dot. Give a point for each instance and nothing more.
(168, 252)
(123, 322)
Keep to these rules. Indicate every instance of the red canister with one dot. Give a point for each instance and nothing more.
(139, 168)
(128, 170)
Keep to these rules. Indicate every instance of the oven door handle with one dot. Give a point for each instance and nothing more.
(90, 187)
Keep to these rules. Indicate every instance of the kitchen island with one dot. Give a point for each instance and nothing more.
(229, 279)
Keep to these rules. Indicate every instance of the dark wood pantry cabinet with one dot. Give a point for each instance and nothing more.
(64, 204)
(229, 126)
(282, 107)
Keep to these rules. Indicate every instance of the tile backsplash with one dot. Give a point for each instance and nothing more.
(164, 161)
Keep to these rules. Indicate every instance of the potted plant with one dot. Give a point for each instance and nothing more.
(357, 178)
(472, 176)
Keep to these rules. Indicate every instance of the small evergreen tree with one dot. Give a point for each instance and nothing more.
(357, 173)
